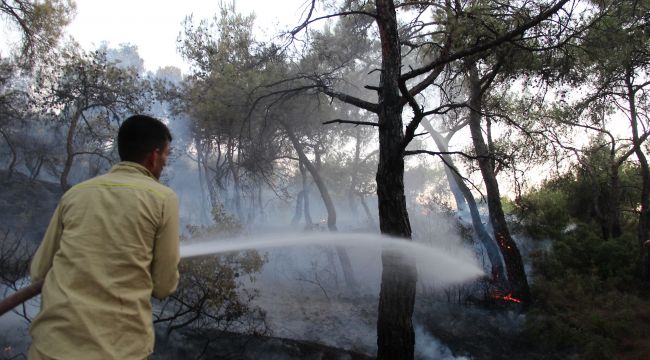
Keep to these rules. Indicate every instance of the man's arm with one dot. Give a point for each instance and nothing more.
(42, 260)
(166, 254)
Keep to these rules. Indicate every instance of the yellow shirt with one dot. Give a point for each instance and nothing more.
(112, 243)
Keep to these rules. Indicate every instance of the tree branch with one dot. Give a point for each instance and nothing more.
(309, 20)
(487, 45)
(356, 123)
(439, 153)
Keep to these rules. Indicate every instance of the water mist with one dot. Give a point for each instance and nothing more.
(436, 265)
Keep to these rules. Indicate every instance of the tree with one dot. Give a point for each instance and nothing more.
(40, 24)
(616, 52)
(465, 196)
(208, 296)
(14, 103)
(89, 95)
(292, 113)
(394, 91)
(235, 155)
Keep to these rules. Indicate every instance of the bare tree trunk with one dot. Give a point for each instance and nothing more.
(305, 195)
(203, 179)
(346, 265)
(298, 212)
(36, 170)
(366, 210)
(395, 334)
(459, 198)
(237, 192)
(261, 203)
(69, 150)
(14, 154)
(491, 247)
(644, 215)
(354, 176)
(614, 208)
(511, 256)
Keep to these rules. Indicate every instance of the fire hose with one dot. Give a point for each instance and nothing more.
(20, 297)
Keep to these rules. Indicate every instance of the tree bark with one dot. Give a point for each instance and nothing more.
(511, 257)
(395, 335)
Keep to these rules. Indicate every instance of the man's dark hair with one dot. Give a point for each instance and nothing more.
(139, 135)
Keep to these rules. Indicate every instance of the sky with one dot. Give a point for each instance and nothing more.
(154, 25)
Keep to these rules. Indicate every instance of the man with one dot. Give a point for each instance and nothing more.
(112, 243)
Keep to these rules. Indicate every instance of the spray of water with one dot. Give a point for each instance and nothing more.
(434, 264)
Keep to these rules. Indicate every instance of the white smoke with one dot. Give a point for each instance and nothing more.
(428, 348)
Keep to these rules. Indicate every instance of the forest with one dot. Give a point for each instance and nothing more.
(515, 130)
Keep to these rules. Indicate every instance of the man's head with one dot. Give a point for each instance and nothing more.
(144, 140)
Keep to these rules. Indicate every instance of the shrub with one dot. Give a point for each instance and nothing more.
(585, 295)
(209, 294)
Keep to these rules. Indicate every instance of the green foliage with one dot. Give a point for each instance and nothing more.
(584, 194)
(225, 225)
(209, 293)
(40, 23)
(544, 212)
(585, 293)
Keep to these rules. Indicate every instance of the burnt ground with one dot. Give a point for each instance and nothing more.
(480, 329)
(190, 344)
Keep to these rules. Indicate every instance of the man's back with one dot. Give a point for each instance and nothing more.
(112, 244)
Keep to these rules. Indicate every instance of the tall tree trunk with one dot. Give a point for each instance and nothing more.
(395, 335)
(203, 178)
(305, 195)
(454, 187)
(14, 154)
(491, 247)
(346, 265)
(644, 215)
(297, 215)
(511, 256)
(237, 192)
(354, 177)
(366, 210)
(614, 208)
(36, 170)
(69, 149)
(261, 203)
(236, 180)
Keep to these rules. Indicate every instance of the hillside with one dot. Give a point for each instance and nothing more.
(26, 205)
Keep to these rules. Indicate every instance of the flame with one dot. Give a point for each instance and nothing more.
(508, 297)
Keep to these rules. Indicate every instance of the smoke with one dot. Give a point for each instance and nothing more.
(428, 348)
(14, 329)
(301, 286)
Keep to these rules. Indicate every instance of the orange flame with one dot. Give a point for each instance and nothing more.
(508, 297)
